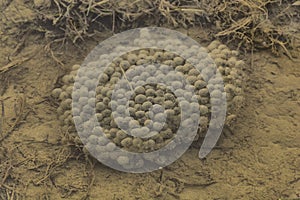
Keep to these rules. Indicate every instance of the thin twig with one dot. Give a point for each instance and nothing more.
(13, 64)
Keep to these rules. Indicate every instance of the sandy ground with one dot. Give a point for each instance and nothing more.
(260, 160)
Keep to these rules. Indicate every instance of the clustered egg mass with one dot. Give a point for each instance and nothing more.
(145, 116)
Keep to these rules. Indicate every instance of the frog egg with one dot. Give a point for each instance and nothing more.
(199, 84)
(131, 111)
(204, 100)
(140, 114)
(170, 112)
(120, 135)
(220, 61)
(167, 133)
(75, 67)
(187, 123)
(176, 85)
(146, 106)
(63, 95)
(232, 61)
(99, 97)
(234, 74)
(159, 117)
(121, 109)
(203, 110)
(67, 79)
(100, 106)
(149, 144)
(216, 94)
(214, 53)
(66, 104)
(235, 53)
(140, 98)
(168, 104)
(126, 142)
(69, 121)
(238, 101)
(141, 132)
(109, 121)
(159, 92)
(180, 68)
(106, 113)
(158, 100)
(137, 142)
(103, 78)
(158, 139)
(201, 55)
(132, 58)
(69, 89)
(158, 56)
(157, 109)
(187, 67)
(144, 51)
(148, 123)
(117, 74)
(150, 92)
(109, 93)
(169, 62)
(151, 69)
(134, 124)
(179, 93)
(137, 107)
(152, 80)
(123, 160)
(165, 69)
(229, 88)
(145, 75)
(221, 70)
(227, 71)
(203, 121)
(100, 150)
(60, 111)
(222, 47)
(215, 101)
(213, 45)
(90, 84)
(191, 79)
(178, 61)
(106, 100)
(240, 64)
(93, 139)
(238, 91)
(122, 122)
(110, 147)
(56, 92)
(124, 64)
(168, 55)
(193, 72)
(109, 70)
(98, 89)
(141, 62)
(226, 52)
(114, 80)
(157, 126)
(150, 59)
(77, 120)
(87, 109)
(142, 56)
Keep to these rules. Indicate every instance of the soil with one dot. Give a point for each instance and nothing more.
(260, 159)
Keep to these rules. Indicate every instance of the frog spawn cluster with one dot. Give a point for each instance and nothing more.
(142, 103)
